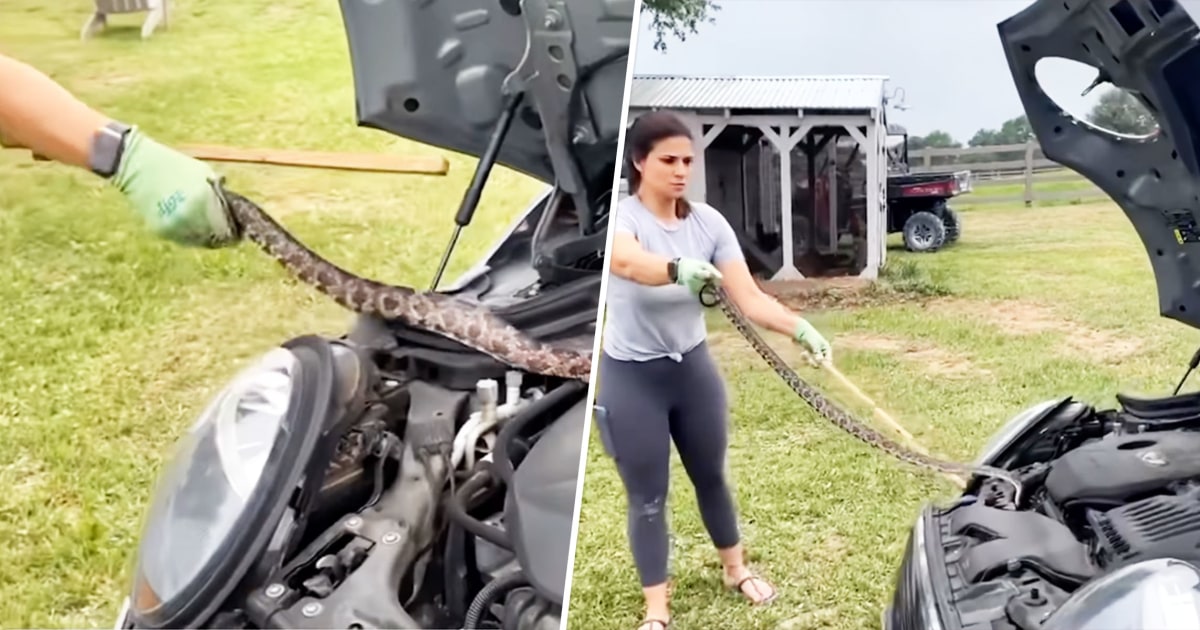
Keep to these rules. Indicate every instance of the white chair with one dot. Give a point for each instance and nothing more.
(105, 8)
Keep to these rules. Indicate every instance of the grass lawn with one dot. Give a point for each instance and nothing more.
(111, 340)
(1030, 310)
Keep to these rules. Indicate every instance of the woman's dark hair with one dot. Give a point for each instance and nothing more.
(645, 132)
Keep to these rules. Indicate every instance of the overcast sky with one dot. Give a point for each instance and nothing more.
(945, 54)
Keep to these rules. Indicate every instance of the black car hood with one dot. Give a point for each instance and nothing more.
(1150, 48)
(437, 72)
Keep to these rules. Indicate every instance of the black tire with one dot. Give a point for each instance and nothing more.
(924, 232)
(953, 224)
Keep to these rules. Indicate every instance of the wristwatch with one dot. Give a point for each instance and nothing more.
(673, 270)
(108, 144)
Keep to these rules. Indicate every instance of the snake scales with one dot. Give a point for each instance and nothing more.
(471, 325)
(840, 417)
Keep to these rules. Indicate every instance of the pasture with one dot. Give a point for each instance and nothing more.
(1031, 304)
(111, 341)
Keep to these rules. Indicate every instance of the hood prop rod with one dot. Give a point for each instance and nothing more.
(483, 169)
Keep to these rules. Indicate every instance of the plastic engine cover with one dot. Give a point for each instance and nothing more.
(1115, 470)
(540, 506)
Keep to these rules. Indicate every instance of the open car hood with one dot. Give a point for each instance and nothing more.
(1150, 48)
(442, 73)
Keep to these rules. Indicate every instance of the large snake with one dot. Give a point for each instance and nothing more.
(471, 325)
(711, 295)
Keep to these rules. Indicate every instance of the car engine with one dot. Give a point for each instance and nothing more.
(442, 504)
(1103, 489)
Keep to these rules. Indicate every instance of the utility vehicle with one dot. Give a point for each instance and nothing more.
(1106, 532)
(389, 478)
(918, 204)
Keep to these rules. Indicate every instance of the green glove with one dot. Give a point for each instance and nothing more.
(174, 193)
(694, 274)
(808, 336)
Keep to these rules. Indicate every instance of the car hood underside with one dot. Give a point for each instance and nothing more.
(442, 73)
(1149, 48)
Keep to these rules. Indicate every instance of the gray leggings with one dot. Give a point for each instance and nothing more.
(644, 406)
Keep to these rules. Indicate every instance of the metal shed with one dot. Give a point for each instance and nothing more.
(813, 144)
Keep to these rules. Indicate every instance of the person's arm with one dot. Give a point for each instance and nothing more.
(631, 262)
(175, 194)
(757, 306)
(40, 115)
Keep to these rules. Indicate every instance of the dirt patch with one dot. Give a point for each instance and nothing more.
(934, 361)
(817, 294)
(1020, 318)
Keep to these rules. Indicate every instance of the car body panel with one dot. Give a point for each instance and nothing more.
(1155, 180)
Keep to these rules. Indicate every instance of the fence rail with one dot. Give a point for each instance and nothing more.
(1038, 178)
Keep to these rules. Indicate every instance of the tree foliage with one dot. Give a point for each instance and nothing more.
(679, 18)
(1119, 111)
(1013, 131)
(936, 139)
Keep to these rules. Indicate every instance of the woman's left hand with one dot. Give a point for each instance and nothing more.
(808, 336)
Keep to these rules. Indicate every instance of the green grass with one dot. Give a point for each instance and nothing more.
(1031, 304)
(111, 340)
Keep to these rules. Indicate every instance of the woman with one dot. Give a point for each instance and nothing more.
(173, 192)
(657, 381)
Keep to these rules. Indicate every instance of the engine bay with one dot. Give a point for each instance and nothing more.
(1103, 489)
(433, 492)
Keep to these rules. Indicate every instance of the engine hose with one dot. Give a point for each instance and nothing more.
(490, 593)
(501, 462)
(456, 511)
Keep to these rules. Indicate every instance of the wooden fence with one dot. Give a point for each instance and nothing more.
(1009, 173)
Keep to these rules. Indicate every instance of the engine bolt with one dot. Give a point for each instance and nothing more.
(311, 610)
(353, 521)
(391, 538)
(274, 590)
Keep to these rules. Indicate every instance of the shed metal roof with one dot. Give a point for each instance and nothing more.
(848, 92)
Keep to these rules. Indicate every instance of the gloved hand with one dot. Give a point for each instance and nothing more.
(174, 193)
(694, 274)
(808, 336)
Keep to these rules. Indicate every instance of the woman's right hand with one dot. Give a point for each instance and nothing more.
(694, 274)
(175, 193)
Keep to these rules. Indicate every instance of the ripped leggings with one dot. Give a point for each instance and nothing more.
(646, 405)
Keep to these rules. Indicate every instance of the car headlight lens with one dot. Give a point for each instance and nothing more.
(216, 467)
(222, 494)
(1163, 594)
(913, 606)
(1013, 429)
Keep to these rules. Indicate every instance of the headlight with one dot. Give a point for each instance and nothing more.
(1014, 429)
(913, 604)
(1160, 594)
(220, 498)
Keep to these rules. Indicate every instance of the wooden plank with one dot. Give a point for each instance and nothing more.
(374, 162)
(996, 148)
(371, 162)
(1010, 165)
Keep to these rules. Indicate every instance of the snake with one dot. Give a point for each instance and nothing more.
(471, 325)
(711, 295)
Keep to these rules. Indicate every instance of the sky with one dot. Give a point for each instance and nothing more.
(944, 55)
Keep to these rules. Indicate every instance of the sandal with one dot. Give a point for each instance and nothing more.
(652, 623)
(750, 575)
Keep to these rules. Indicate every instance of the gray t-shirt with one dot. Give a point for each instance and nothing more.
(644, 322)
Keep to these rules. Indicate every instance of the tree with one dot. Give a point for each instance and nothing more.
(677, 17)
(936, 139)
(1119, 111)
(1013, 131)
